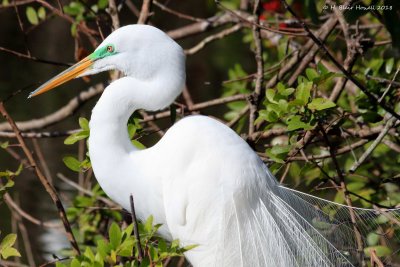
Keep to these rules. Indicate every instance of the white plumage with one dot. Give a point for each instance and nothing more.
(201, 180)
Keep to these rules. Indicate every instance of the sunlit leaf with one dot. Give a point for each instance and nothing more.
(32, 15)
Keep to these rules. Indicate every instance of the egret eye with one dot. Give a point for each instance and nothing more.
(110, 49)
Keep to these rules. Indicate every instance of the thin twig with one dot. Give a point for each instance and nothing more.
(136, 230)
(256, 95)
(372, 147)
(42, 160)
(176, 13)
(213, 37)
(145, 12)
(62, 113)
(322, 46)
(106, 201)
(348, 200)
(113, 12)
(14, 206)
(49, 188)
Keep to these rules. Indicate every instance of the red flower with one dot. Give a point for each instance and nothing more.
(272, 6)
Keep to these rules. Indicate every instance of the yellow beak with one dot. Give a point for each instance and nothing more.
(65, 76)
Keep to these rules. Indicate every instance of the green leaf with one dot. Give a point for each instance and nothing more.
(295, 123)
(355, 186)
(148, 224)
(102, 4)
(287, 91)
(381, 251)
(5, 3)
(4, 145)
(320, 104)
(115, 235)
(303, 92)
(138, 145)
(72, 163)
(389, 65)
(74, 8)
(270, 94)
(126, 248)
(74, 29)
(75, 137)
(311, 74)
(189, 247)
(89, 254)
(9, 252)
(75, 263)
(32, 15)
(339, 197)
(41, 13)
(281, 87)
(373, 239)
(322, 69)
(103, 248)
(84, 124)
(277, 150)
(128, 230)
(8, 241)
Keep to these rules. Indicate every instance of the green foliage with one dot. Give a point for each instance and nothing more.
(120, 248)
(71, 161)
(83, 133)
(6, 247)
(135, 129)
(88, 215)
(7, 179)
(238, 85)
(295, 108)
(34, 16)
(82, 12)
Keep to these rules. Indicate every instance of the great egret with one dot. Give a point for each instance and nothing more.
(201, 180)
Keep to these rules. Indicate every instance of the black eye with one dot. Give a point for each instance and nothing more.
(110, 49)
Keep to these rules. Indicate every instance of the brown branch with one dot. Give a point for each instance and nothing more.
(113, 12)
(60, 114)
(49, 188)
(352, 44)
(25, 237)
(375, 261)
(348, 200)
(256, 95)
(132, 8)
(145, 12)
(42, 161)
(372, 147)
(199, 106)
(211, 38)
(310, 49)
(136, 230)
(14, 206)
(106, 201)
(176, 13)
(349, 76)
(36, 135)
(384, 81)
(30, 57)
(81, 26)
(17, 3)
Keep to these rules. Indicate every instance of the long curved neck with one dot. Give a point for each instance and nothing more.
(109, 143)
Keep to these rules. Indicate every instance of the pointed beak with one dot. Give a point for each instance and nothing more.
(68, 74)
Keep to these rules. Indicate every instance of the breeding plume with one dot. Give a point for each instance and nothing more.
(201, 180)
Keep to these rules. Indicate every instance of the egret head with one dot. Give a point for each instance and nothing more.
(141, 51)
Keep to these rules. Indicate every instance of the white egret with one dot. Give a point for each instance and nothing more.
(201, 180)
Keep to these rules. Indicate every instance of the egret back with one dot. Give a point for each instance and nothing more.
(219, 195)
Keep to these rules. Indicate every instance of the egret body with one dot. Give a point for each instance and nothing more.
(201, 180)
